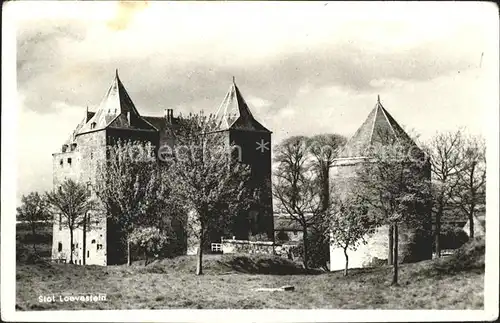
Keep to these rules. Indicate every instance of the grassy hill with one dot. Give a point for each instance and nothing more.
(455, 282)
(25, 240)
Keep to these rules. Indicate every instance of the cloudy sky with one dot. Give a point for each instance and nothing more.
(304, 68)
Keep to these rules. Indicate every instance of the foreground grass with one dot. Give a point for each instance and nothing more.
(228, 283)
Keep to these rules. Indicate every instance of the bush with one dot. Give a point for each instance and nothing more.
(419, 246)
(258, 237)
(376, 262)
(468, 257)
(150, 240)
(451, 237)
(282, 237)
(318, 247)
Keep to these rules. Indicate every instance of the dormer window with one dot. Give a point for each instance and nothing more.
(64, 148)
(73, 146)
(92, 125)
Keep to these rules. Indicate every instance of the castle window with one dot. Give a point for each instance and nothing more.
(60, 221)
(59, 247)
(88, 253)
(93, 241)
(76, 246)
(99, 246)
(69, 161)
(92, 125)
(61, 162)
(91, 155)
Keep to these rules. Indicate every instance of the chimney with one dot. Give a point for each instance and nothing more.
(169, 115)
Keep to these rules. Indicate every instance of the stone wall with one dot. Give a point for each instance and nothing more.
(65, 165)
(90, 149)
(245, 246)
(95, 246)
(375, 249)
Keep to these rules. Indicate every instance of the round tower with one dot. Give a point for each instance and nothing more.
(379, 129)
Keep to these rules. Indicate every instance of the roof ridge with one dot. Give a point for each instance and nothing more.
(388, 121)
(374, 120)
(146, 120)
(122, 86)
(239, 95)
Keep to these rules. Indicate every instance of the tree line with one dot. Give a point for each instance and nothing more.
(398, 185)
(146, 201)
(199, 188)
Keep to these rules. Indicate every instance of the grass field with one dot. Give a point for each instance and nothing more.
(230, 282)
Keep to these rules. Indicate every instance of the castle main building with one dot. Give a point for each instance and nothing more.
(117, 118)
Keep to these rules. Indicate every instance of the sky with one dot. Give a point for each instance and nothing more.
(303, 68)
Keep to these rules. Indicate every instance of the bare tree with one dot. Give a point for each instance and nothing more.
(129, 184)
(350, 222)
(324, 149)
(71, 200)
(209, 183)
(446, 160)
(471, 196)
(296, 188)
(34, 211)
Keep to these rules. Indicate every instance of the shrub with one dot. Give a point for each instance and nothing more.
(258, 237)
(418, 247)
(468, 257)
(451, 237)
(376, 262)
(282, 237)
(318, 249)
(150, 240)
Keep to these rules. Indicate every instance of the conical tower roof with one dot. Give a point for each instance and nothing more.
(379, 128)
(233, 113)
(116, 110)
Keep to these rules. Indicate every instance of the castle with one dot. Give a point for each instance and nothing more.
(117, 118)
